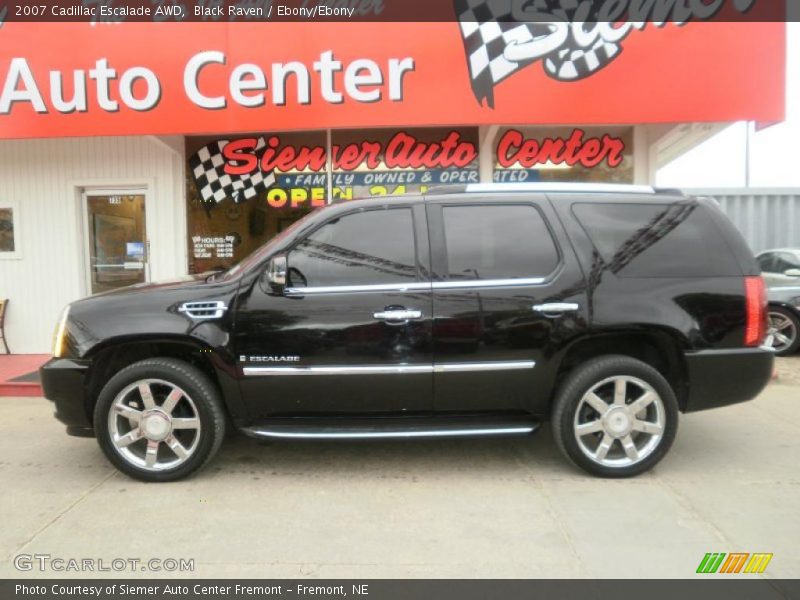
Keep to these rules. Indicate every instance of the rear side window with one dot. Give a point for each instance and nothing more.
(364, 248)
(498, 241)
(657, 240)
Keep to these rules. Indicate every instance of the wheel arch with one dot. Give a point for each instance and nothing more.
(660, 349)
(117, 353)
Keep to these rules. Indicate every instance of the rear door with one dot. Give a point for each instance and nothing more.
(508, 294)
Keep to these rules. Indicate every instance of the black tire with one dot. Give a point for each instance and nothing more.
(579, 382)
(204, 395)
(788, 314)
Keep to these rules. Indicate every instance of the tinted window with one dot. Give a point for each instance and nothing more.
(657, 240)
(498, 242)
(371, 247)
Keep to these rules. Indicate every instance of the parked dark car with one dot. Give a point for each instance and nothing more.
(470, 311)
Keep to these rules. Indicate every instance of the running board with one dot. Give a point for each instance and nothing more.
(338, 428)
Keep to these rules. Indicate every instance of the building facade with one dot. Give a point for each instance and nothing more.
(121, 163)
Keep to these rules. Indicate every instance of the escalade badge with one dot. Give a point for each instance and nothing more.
(244, 358)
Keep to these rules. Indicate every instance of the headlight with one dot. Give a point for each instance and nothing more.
(61, 334)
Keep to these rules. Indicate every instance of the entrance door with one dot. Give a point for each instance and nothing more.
(115, 238)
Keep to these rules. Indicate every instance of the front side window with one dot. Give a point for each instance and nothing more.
(366, 248)
(786, 262)
(765, 261)
(498, 241)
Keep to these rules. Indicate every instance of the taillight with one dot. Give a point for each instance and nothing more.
(755, 293)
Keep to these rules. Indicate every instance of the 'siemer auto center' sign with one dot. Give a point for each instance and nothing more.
(228, 77)
(244, 167)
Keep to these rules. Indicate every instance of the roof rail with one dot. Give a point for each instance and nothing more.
(553, 187)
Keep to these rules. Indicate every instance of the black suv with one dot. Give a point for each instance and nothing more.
(470, 311)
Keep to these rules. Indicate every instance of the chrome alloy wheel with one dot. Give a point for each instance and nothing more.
(154, 425)
(619, 422)
(782, 332)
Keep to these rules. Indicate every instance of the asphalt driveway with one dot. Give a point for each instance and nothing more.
(467, 508)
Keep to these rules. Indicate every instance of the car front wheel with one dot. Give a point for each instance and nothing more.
(159, 419)
(615, 416)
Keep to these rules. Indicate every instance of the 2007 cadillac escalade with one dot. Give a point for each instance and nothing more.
(469, 311)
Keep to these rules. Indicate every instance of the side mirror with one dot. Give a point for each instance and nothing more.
(276, 274)
(792, 272)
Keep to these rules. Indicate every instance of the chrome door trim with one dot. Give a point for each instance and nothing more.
(413, 287)
(484, 283)
(389, 369)
(348, 289)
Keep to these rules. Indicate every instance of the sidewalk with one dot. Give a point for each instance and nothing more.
(437, 508)
(19, 374)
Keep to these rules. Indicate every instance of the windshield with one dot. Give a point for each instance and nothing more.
(259, 253)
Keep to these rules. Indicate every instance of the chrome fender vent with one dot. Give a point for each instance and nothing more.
(203, 310)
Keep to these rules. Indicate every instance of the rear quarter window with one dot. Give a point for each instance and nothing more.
(677, 239)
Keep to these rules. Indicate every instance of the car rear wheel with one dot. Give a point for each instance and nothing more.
(782, 333)
(159, 419)
(615, 416)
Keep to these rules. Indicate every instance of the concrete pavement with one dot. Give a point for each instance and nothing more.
(467, 508)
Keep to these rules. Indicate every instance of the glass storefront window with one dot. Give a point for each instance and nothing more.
(394, 162)
(244, 189)
(277, 179)
(7, 242)
(576, 154)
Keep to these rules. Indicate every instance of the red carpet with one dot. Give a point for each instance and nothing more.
(21, 367)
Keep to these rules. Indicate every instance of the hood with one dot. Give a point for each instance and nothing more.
(148, 310)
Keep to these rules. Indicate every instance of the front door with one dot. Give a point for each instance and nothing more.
(509, 296)
(116, 241)
(352, 331)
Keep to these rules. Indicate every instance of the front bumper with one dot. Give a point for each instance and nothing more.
(723, 377)
(63, 382)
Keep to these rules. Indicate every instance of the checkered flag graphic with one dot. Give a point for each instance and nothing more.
(207, 166)
(491, 33)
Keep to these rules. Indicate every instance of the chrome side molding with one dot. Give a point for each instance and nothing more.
(389, 369)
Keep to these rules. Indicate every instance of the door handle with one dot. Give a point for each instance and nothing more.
(404, 315)
(554, 309)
